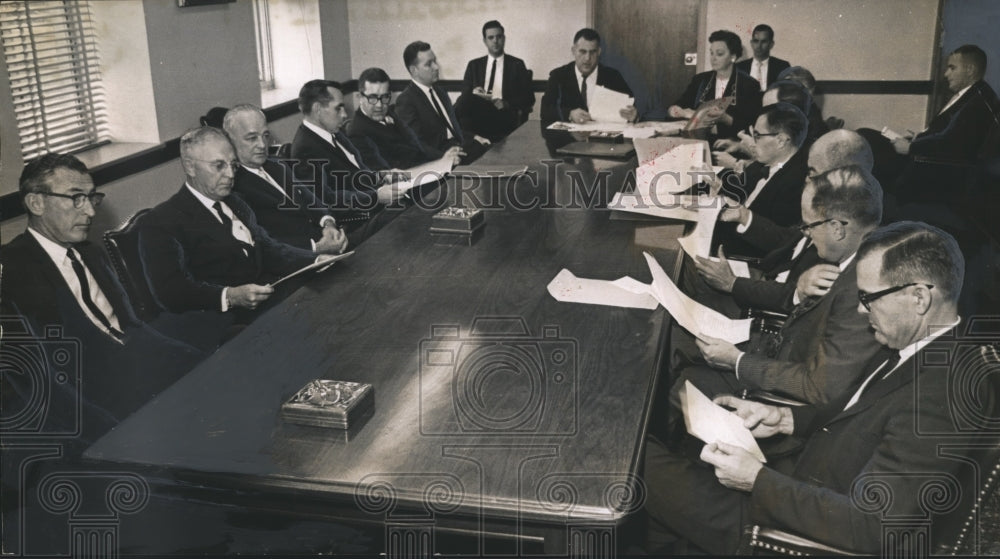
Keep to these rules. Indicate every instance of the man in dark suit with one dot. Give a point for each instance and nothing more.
(496, 93)
(428, 111)
(53, 277)
(327, 159)
(290, 215)
(820, 350)
(202, 248)
(772, 185)
(569, 87)
(884, 433)
(954, 140)
(382, 138)
(762, 66)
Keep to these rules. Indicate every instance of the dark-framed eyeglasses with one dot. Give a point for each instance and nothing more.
(805, 228)
(866, 299)
(219, 165)
(758, 135)
(373, 98)
(79, 198)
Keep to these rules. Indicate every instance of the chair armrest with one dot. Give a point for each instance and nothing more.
(785, 543)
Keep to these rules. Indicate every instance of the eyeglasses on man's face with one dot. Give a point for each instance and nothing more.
(80, 198)
(218, 165)
(805, 228)
(758, 135)
(374, 98)
(866, 299)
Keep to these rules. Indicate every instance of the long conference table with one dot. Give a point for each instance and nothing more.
(531, 430)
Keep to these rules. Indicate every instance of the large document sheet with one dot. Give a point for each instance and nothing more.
(431, 171)
(713, 423)
(605, 104)
(623, 292)
(694, 317)
(318, 266)
(666, 206)
(699, 241)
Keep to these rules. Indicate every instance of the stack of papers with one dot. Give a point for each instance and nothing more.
(429, 172)
(605, 104)
(627, 292)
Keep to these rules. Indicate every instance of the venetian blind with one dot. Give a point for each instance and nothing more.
(53, 64)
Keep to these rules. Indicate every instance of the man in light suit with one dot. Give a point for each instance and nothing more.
(762, 66)
(203, 248)
(883, 436)
(382, 138)
(569, 88)
(289, 214)
(53, 277)
(496, 93)
(428, 111)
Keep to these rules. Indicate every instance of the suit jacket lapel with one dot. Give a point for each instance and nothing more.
(207, 219)
(446, 102)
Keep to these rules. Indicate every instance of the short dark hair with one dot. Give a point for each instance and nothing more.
(411, 52)
(800, 75)
(732, 40)
(917, 252)
(36, 173)
(848, 192)
(764, 28)
(587, 34)
(975, 56)
(315, 91)
(793, 93)
(787, 118)
(492, 24)
(372, 75)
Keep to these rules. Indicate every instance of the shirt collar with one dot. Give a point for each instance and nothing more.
(321, 132)
(579, 75)
(775, 167)
(497, 58)
(912, 349)
(55, 251)
(847, 261)
(205, 200)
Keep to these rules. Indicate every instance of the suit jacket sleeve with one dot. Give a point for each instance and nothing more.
(552, 100)
(689, 99)
(278, 258)
(407, 111)
(961, 138)
(369, 152)
(782, 501)
(469, 80)
(845, 347)
(167, 269)
(763, 295)
(767, 235)
(524, 94)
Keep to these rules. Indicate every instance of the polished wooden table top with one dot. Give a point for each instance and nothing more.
(473, 414)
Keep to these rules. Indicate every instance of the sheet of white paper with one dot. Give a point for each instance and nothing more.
(319, 266)
(668, 165)
(713, 423)
(694, 317)
(699, 241)
(605, 104)
(624, 292)
(428, 172)
(589, 126)
(891, 134)
(633, 132)
(661, 206)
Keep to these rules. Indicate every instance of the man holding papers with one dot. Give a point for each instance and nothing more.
(202, 248)
(874, 445)
(818, 352)
(571, 88)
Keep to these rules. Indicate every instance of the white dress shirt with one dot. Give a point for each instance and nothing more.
(329, 138)
(497, 92)
(720, 85)
(59, 257)
(591, 82)
(771, 171)
(431, 96)
(758, 71)
(956, 97)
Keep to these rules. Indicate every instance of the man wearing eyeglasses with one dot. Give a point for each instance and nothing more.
(383, 139)
(53, 276)
(203, 248)
(772, 185)
(817, 353)
(871, 455)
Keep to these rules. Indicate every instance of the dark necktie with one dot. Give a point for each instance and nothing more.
(583, 93)
(228, 224)
(493, 74)
(440, 112)
(85, 292)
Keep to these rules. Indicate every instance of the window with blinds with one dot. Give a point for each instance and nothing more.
(53, 64)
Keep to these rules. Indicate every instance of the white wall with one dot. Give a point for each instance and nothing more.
(846, 40)
(540, 32)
